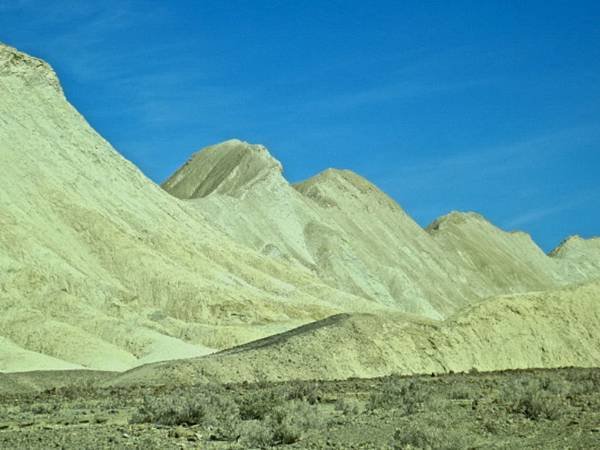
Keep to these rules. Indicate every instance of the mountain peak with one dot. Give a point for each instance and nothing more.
(33, 71)
(456, 218)
(327, 187)
(222, 168)
(575, 244)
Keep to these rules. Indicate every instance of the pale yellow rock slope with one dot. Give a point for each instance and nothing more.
(540, 329)
(357, 239)
(101, 268)
(579, 257)
(493, 260)
(337, 225)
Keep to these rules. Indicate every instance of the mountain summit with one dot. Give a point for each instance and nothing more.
(224, 168)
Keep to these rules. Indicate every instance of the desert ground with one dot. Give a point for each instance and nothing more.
(549, 409)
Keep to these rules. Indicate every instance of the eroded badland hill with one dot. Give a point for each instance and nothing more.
(202, 304)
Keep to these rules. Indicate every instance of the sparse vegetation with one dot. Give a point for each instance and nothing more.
(537, 405)
(208, 407)
(261, 418)
(304, 390)
(417, 437)
(425, 436)
(521, 409)
(349, 407)
(537, 398)
(399, 394)
(256, 405)
(460, 393)
(172, 410)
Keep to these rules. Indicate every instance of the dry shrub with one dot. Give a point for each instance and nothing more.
(286, 424)
(347, 407)
(256, 405)
(427, 437)
(398, 394)
(536, 399)
(211, 407)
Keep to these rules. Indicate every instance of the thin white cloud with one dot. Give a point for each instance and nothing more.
(492, 161)
(403, 90)
(537, 214)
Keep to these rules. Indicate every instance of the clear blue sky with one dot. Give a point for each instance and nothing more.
(492, 106)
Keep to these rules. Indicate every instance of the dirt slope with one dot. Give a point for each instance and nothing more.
(534, 330)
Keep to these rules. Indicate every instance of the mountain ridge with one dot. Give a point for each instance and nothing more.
(359, 239)
(101, 268)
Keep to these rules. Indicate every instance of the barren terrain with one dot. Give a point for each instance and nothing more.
(550, 409)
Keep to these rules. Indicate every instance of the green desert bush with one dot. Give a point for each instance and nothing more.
(407, 396)
(257, 404)
(223, 416)
(535, 399)
(171, 410)
(427, 437)
(42, 408)
(583, 381)
(347, 407)
(414, 437)
(460, 392)
(213, 409)
(554, 385)
(286, 424)
(305, 391)
(538, 405)
(285, 427)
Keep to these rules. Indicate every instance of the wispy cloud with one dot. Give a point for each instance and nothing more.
(483, 163)
(535, 215)
(402, 90)
(83, 31)
(159, 84)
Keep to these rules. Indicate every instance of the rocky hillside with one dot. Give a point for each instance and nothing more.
(359, 240)
(100, 267)
(543, 329)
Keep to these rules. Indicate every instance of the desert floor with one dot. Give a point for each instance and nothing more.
(514, 409)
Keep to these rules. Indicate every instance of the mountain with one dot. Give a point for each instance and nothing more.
(101, 268)
(337, 225)
(359, 240)
(579, 257)
(495, 261)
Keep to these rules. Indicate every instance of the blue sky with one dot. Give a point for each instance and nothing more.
(489, 106)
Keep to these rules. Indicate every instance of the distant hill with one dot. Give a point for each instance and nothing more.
(534, 330)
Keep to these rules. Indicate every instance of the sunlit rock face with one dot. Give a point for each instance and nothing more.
(101, 268)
